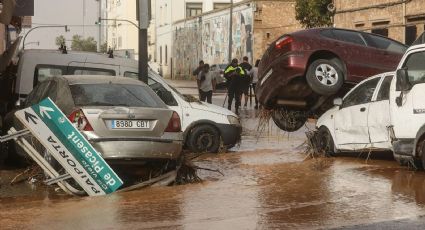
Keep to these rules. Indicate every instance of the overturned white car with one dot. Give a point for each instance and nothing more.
(383, 112)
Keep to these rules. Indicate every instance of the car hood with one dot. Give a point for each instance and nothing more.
(326, 116)
(211, 108)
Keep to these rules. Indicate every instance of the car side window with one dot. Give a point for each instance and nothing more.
(349, 36)
(362, 94)
(131, 75)
(415, 64)
(42, 72)
(384, 91)
(75, 70)
(384, 44)
(165, 95)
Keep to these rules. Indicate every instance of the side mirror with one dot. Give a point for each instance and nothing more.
(338, 101)
(403, 83)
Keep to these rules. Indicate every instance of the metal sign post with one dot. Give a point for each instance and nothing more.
(68, 146)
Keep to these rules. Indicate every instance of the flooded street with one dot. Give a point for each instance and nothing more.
(267, 184)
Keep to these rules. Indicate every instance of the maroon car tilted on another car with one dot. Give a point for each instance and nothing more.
(300, 72)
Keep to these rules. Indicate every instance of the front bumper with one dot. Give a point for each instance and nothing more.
(230, 134)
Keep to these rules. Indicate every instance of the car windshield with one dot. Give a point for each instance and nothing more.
(114, 95)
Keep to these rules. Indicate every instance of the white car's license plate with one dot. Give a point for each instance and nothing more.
(130, 124)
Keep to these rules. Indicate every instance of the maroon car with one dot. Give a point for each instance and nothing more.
(301, 72)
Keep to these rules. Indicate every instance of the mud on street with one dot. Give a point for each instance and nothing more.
(268, 183)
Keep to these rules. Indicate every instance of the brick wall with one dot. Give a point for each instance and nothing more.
(271, 20)
(392, 15)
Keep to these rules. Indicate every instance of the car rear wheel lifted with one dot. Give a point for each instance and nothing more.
(204, 138)
(325, 77)
(289, 120)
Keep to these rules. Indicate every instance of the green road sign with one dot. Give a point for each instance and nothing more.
(69, 147)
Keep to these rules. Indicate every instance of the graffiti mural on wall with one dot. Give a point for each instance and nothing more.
(242, 34)
(215, 40)
(208, 39)
(187, 49)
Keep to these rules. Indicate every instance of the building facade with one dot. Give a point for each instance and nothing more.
(170, 11)
(255, 24)
(402, 20)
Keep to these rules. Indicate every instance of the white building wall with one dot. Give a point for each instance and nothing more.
(167, 12)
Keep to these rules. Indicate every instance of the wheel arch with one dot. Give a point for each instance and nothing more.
(324, 126)
(198, 123)
(329, 55)
(420, 136)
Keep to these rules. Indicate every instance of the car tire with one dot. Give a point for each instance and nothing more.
(326, 142)
(420, 163)
(204, 138)
(289, 120)
(325, 77)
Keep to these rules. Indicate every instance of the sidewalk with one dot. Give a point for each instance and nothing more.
(182, 83)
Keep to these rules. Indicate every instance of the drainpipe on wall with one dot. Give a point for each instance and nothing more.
(404, 22)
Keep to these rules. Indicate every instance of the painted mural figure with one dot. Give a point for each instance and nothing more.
(196, 73)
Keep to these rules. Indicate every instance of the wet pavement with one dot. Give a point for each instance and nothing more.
(267, 184)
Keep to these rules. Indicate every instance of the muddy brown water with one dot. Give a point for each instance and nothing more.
(267, 184)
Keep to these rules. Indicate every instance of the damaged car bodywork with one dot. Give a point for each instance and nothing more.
(360, 120)
(122, 118)
(300, 73)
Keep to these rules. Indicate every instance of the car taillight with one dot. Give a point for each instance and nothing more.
(174, 123)
(79, 120)
(281, 42)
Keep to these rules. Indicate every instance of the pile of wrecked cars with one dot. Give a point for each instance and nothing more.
(304, 75)
(300, 73)
(383, 112)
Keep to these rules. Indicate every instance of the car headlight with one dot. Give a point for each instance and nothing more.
(233, 120)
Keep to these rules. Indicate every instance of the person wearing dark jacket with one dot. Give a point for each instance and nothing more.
(196, 73)
(234, 75)
(247, 78)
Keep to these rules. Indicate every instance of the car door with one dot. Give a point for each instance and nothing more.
(356, 55)
(379, 115)
(351, 129)
(385, 52)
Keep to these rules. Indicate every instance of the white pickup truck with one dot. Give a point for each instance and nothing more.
(383, 112)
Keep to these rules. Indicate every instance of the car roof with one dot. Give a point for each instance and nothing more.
(77, 55)
(99, 79)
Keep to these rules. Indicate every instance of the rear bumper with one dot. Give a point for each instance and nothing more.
(230, 134)
(281, 71)
(140, 148)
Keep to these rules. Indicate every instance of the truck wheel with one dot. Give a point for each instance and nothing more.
(289, 120)
(326, 142)
(204, 138)
(325, 77)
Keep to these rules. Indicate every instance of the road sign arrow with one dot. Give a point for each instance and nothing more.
(44, 111)
(30, 116)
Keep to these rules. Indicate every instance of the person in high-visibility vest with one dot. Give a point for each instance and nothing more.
(234, 76)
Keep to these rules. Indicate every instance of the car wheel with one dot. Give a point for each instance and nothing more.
(325, 77)
(421, 162)
(289, 120)
(326, 142)
(204, 138)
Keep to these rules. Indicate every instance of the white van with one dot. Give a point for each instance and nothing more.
(206, 127)
(386, 111)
